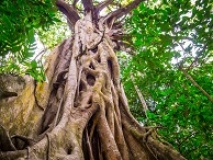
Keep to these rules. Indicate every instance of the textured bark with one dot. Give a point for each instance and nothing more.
(86, 114)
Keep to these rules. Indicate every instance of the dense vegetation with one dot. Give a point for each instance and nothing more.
(172, 67)
(20, 23)
(170, 63)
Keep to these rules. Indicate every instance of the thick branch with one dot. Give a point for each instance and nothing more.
(88, 5)
(125, 10)
(69, 11)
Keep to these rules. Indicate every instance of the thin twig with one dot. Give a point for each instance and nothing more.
(140, 96)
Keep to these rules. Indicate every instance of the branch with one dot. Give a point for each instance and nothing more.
(200, 54)
(103, 4)
(140, 96)
(69, 11)
(189, 77)
(125, 10)
(88, 5)
(196, 84)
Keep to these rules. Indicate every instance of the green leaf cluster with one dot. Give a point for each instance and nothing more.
(169, 36)
(19, 22)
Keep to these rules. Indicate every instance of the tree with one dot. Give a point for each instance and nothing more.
(172, 68)
(82, 111)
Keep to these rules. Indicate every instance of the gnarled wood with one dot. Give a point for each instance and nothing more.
(86, 112)
(69, 11)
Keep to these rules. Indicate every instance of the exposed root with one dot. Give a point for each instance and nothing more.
(87, 115)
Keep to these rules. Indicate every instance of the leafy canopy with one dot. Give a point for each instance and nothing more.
(20, 21)
(173, 41)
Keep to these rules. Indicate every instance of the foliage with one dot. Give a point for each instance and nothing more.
(170, 36)
(19, 22)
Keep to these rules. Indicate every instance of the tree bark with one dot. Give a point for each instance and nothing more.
(86, 114)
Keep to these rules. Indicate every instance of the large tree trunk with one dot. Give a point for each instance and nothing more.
(82, 112)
